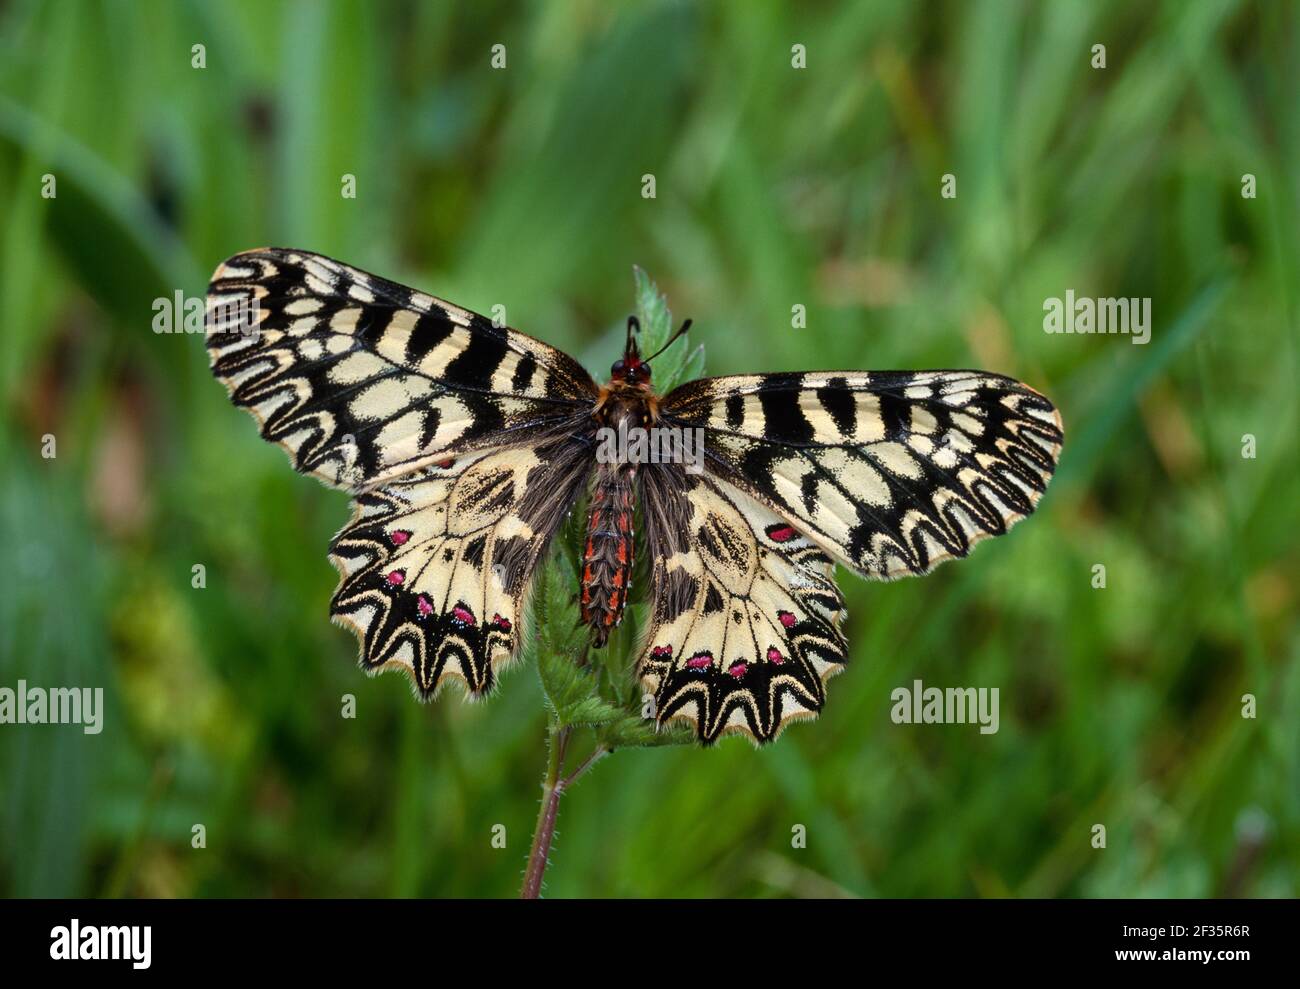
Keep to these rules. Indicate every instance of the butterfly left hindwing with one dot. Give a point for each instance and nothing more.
(436, 565)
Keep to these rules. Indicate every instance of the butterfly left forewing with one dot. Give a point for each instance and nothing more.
(890, 472)
(361, 380)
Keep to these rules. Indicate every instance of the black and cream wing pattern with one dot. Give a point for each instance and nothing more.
(885, 473)
(362, 380)
(745, 617)
(421, 410)
(464, 445)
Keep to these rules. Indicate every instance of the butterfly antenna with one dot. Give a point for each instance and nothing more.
(633, 331)
(680, 332)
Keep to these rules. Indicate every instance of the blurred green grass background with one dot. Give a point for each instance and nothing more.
(776, 187)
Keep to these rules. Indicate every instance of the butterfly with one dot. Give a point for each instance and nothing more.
(465, 444)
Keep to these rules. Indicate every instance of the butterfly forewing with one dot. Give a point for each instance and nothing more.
(890, 472)
(362, 380)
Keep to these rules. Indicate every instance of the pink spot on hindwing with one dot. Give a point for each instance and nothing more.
(699, 661)
(395, 577)
(423, 605)
(786, 618)
(774, 656)
(661, 652)
(463, 615)
(738, 668)
(780, 533)
(501, 623)
(399, 536)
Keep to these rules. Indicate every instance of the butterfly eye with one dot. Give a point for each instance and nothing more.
(645, 371)
(617, 369)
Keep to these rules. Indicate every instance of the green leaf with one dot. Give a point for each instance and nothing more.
(692, 367)
(652, 309)
(676, 364)
(112, 243)
(633, 731)
(591, 711)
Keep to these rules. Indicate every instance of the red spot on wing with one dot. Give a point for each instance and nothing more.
(423, 605)
(395, 577)
(786, 618)
(738, 668)
(774, 656)
(399, 536)
(699, 661)
(463, 615)
(780, 533)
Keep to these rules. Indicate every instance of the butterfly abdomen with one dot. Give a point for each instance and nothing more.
(608, 551)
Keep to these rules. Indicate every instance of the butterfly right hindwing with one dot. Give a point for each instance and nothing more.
(745, 617)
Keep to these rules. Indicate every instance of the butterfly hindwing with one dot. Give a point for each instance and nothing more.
(744, 627)
(436, 565)
(362, 380)
(890, 472)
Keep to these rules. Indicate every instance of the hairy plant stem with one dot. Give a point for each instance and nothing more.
(553, 787)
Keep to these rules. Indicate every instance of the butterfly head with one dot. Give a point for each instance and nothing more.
(632, 369)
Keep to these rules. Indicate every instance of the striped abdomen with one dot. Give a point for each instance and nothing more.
(607, 556)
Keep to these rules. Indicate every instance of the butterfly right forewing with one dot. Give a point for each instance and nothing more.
(891, 472)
